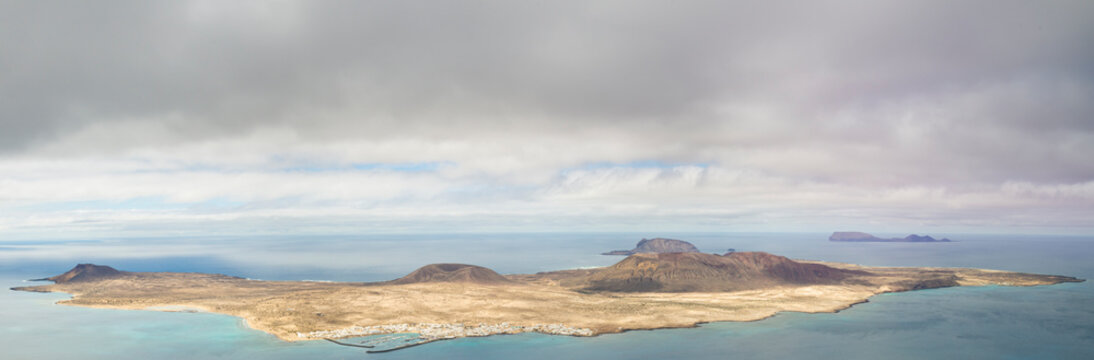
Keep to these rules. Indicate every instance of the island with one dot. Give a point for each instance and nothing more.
(657, 246)
(446, 301)
(854, 236)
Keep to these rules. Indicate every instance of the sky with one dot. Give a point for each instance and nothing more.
(209, 118)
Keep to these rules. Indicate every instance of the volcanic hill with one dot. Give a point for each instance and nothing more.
(459, 273)
(700, 272)
(85, 272)
(657, 246)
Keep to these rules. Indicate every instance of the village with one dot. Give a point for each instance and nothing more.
(430, 331)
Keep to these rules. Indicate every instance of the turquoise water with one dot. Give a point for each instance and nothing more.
(967, 323)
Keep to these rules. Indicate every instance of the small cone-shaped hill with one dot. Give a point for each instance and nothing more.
(678, 272)
(85, 272)
(452, 273)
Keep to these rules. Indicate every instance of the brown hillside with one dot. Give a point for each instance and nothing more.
(680, 272)
(452, 273)
(85, 272)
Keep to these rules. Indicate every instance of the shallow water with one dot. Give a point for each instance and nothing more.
(978, 323)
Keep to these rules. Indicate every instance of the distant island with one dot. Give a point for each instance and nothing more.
(852, 236)
(657, 246)
(446, 301)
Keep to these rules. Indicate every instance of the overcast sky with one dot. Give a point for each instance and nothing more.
(164, 118)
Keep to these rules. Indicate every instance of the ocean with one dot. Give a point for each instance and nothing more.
(1044, 322)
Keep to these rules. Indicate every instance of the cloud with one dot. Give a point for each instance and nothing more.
(724, 113)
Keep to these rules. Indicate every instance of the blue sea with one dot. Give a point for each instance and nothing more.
(1045, 322)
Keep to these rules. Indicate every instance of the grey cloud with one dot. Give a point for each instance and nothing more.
(999, 89)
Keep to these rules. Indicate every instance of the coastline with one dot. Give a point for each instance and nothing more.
(304, 311)
(459, 330)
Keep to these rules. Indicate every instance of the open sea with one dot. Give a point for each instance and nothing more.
(1044, 322)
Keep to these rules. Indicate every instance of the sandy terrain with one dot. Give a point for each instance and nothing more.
(296, 311)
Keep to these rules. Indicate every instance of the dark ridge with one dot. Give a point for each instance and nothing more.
(657, 246)
(85, 272)
(683, 272)
(452, 273)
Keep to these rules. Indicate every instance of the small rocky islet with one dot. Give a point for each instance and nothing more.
(855, 236)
